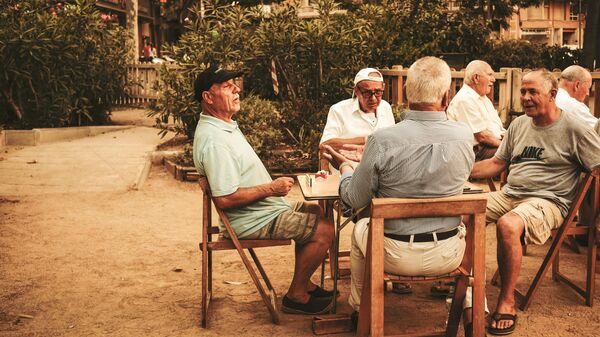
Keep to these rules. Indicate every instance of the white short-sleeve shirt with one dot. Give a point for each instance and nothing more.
(572, 106)
(346, 120)
(476, 111)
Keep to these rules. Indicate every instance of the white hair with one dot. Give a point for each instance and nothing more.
(575, 73)
(428, 80)
(476, 67)
(549, 81)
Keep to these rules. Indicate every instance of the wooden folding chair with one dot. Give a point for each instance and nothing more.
(471, 272)
(207, 246)
(585, 226)
(588, 188)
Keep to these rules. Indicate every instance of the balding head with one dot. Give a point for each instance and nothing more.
(577, 81)
(479, 76)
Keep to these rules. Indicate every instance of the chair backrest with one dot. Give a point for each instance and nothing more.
(473, 205)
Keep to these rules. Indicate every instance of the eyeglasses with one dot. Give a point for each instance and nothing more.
(370, 93)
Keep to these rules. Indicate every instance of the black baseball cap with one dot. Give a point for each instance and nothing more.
(212, 75)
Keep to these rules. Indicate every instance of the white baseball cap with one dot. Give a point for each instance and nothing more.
(363, 75)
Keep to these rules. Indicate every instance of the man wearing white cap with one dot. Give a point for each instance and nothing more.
(352, 120)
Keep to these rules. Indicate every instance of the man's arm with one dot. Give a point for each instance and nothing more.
(243, 196)
(488, 168)
(487, 138)
(337, 143)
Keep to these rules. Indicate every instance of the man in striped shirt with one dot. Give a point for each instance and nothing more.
(424, 156)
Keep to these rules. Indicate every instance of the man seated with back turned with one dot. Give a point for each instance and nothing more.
(424, 156)
(352, 120)
(545, 151)
(573, 88)
(471, 105)
(254, 203)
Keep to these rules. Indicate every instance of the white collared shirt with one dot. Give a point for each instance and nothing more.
(476, 111)
(346, 120)
(572, 106)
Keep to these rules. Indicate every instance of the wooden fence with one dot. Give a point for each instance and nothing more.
(507, 86)
(144, 78)
(505, 95)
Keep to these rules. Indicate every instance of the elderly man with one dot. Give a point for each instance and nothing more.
(472, 106)
(253, 202)
(573, 88)
(424, 156)
(545, 151)
(352, 120)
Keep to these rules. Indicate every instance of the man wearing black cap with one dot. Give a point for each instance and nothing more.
(253, 202)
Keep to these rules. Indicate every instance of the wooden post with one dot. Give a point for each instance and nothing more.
(397, 87)
(504, 96)
(517, 76)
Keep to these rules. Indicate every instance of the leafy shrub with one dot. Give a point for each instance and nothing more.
(61, 65)
(560, 57)
(315, 59)
(524, 54)
(259, 121)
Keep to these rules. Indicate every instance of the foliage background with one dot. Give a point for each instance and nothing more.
(60, 64)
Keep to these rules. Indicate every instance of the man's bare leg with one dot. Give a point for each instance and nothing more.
(509, 229)
(309, 257)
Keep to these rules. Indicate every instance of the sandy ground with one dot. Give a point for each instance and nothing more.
(126, 263)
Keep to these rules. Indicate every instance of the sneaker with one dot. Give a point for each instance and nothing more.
(314, 306)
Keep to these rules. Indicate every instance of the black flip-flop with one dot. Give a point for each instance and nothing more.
(503, 317)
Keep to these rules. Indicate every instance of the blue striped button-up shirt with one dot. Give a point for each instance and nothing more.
(424, 156)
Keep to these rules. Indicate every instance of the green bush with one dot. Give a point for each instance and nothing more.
(60, 64)
(315, 59)
(258, 120)
(524, 54)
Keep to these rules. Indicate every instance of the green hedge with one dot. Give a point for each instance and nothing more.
(61, 65)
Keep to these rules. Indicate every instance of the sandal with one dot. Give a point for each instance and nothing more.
(402, 288)
(496, 317)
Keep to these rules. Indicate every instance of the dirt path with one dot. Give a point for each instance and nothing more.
(104, 263)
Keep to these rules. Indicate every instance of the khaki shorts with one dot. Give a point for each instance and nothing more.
(295, 224)
(540, 216)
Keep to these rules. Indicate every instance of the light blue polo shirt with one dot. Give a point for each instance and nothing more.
(223, 155)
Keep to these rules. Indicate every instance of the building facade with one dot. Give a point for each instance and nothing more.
(554, 22)
(141, 17)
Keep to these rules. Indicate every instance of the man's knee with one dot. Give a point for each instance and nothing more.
(510, 227)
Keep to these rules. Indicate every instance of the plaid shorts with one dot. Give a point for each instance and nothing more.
(295, 224)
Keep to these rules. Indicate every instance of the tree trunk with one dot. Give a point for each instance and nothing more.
(591, 46)
(14, 105)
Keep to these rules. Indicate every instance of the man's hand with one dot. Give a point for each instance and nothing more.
(280, 187)
(334, 157)
(352, 152)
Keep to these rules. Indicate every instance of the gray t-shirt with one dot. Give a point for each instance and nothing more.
(546, 162)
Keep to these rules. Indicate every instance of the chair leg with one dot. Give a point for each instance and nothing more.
(206, 283)
(272, 293)
(591, 267)
(456, 308)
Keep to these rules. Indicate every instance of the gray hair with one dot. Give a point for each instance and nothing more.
(549, 82)
(575, 73)
(475, 67)
(428, 80)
